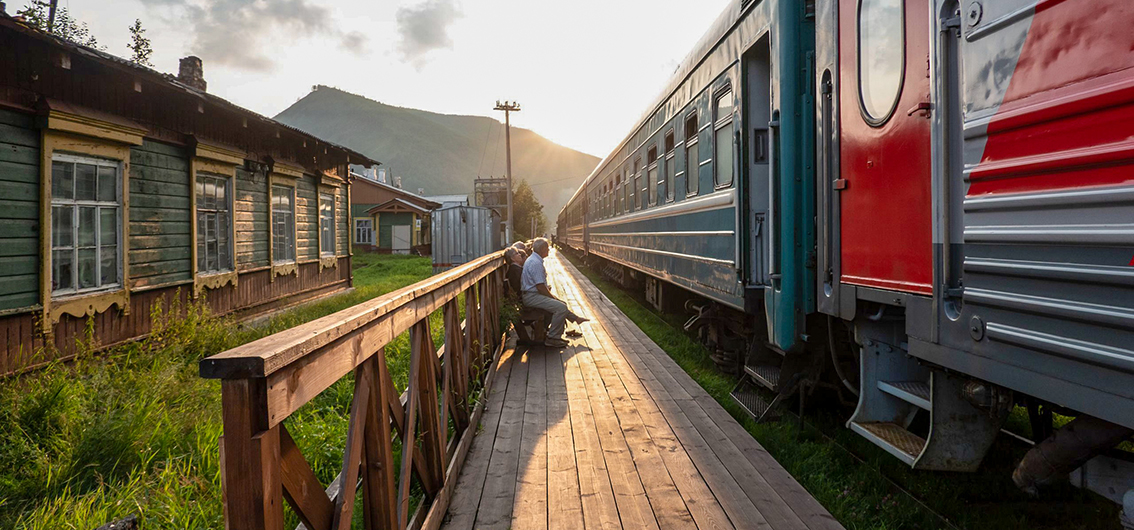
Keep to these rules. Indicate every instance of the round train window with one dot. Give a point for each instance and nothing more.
(881, 57)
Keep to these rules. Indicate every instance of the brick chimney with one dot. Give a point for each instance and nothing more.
(192, 73)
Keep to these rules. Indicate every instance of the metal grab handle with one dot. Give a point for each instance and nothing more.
(924, 106)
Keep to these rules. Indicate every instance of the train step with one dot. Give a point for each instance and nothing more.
(954, 432)
(755, 400)
(913, 392)
(766, 375)
(894, 438)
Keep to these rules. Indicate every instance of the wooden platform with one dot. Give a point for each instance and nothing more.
(611, 433)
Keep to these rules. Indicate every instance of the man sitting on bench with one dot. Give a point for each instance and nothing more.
(533, 284)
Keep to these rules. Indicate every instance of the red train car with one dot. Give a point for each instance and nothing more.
(976, 220)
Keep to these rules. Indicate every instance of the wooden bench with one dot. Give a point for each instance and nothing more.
(532, 325)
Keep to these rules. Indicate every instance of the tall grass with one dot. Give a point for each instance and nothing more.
(134, 430)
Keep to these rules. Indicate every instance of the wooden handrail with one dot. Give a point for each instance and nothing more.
(264, 382)
(265, 356)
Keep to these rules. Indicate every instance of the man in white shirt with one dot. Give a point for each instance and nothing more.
(533, 284)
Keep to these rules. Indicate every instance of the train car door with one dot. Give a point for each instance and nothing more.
(886, 204)
(758, 113)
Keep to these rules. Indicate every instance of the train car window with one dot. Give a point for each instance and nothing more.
(881, 57)
(652, 174)
(626, 194)
(606, 198)
(618, 193)
(631, 193)
(723, 140)
(692, 163)
(670, 165)
(638, 184)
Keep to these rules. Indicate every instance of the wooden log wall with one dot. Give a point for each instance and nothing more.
(159, 251)
(19, 200)
(264, 382)
(23, 346)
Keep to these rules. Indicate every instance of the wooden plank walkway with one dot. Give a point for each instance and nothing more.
(611, 433)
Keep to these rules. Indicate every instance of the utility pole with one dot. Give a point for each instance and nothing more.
(508, 108)
(51, 17)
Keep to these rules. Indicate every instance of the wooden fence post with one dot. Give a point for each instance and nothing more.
(472, 329)
(254, 497)
(264, 382)
(379, 474)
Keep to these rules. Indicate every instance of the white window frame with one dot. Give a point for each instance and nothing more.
(230, 185)
(324, 228)
(75, 204)
(276, 260)
(370, 228)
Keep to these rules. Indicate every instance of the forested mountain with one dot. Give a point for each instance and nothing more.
(439, 152)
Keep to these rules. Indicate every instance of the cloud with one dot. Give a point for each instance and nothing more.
(237, 33)
(424, 28)
(355, 42)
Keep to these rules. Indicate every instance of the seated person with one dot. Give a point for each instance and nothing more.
(536, 294)
(515, 260)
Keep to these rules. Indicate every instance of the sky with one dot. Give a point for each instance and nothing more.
(584, 71)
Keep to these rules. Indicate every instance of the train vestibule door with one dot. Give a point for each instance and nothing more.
(758, 114)
(885, 160)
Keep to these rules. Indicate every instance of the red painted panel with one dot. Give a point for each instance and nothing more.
(887, 239)
(1067, 120)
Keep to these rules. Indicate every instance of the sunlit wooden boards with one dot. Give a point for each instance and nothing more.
(611, 433)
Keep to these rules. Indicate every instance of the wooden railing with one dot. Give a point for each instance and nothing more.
(265, 381)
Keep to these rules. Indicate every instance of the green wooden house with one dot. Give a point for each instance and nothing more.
(389, 219)
(123, 189)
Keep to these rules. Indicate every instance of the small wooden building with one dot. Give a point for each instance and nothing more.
(122, 188)
(389, 219)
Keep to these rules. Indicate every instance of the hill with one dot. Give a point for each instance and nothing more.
(439, 152)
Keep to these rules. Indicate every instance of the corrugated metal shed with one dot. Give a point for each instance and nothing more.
(462, 234)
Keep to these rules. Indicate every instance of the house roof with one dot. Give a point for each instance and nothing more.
(396, 204)
(179, 114)
(449, 198)
(424, 202)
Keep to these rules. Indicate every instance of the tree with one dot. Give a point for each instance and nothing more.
(139, 44)
(525, 208)
(37, 15)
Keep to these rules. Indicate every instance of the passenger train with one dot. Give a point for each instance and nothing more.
(928, 203)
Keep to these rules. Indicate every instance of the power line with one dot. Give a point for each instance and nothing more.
(551, 181)
(495, 154)
(487, 134)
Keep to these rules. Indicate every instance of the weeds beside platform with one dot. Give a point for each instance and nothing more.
(134, 430)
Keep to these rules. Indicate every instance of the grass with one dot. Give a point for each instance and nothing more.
(134, 430)
(862, 486)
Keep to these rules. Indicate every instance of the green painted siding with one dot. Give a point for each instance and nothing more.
(251, 220)
(359, 210)
(160, 216)
(387, 220)
(343, 221)
(306, 219)
(19, 211)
